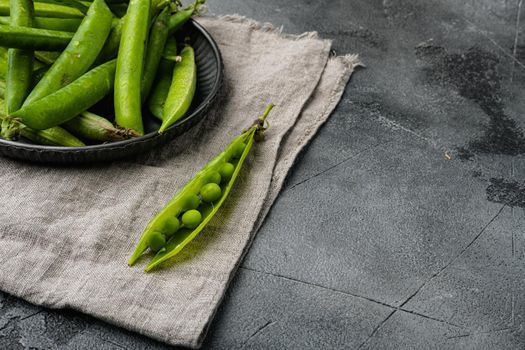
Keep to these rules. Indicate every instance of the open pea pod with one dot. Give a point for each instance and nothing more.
(188, 213)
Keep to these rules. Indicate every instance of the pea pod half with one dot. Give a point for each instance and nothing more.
(186, 215)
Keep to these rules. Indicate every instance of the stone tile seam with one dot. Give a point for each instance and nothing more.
(315, 285)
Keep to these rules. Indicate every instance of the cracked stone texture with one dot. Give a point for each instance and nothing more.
(402, 225)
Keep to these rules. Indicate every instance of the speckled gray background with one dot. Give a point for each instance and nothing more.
(403, 224)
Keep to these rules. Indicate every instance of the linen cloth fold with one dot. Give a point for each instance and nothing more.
(66, 232)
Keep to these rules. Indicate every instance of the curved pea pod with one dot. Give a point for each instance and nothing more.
(168, 238)
(55, 136)
(158, 96)
(178, 19)
(79, 54)
(182, 89)
(71, 100)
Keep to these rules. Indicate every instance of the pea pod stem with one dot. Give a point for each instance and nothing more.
(187, 200)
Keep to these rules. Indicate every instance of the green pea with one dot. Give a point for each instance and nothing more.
(192, 218)
(191, 201)
(156, 241)
(171, 225)
(238, 150)
(210, 192)
(226, 171)
(214, 177)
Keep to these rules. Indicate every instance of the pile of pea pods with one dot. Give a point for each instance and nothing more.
(60, 59)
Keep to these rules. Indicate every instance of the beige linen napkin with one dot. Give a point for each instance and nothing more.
(67, 232)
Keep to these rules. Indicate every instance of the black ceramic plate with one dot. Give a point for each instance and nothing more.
(209, 79)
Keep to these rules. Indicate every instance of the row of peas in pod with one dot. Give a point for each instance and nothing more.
(189, 211)
(60, 61)
(208, 194)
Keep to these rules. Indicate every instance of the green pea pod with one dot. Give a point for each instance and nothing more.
(177, 20)
(195, 212)
(71, 100)
(182, 89)
(47, 57)
(157, 40)
(38, 74)
(161, 88)
(130, 61)
(92, 127)
(163, 79)
(110, 48)
(61, 24)
(55, 136)
(33, 38)
(19, 62)
(3, 61)
(79, 55)
(112, 1)
(45, 10)
(68, 3)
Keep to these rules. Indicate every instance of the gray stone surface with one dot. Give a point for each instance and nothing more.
(403, 223)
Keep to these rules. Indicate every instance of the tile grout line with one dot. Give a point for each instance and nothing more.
(456, 257)
(394, 308)
(332, 167)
